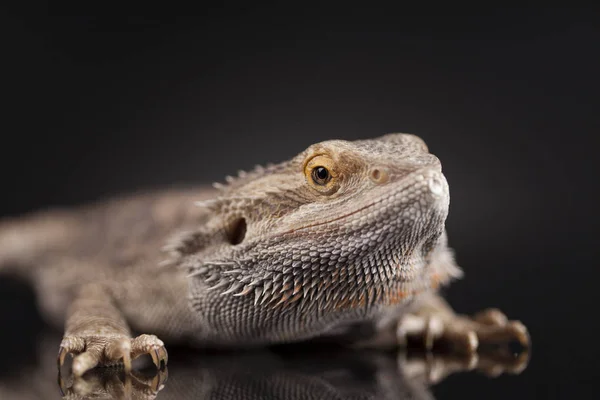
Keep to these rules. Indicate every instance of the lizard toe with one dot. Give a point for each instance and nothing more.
(152, 345)
(460, 333)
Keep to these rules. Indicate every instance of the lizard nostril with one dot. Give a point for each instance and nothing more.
(237, 231)
(436, 186)
(378, 175)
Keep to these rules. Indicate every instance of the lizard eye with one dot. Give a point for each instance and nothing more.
(321, 174)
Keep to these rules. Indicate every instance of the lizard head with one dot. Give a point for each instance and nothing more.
(341, 226)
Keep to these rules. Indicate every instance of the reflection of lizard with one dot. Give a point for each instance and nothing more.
(345, 233)
(291, 373)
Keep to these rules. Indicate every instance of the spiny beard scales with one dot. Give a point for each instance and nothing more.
(347, 270)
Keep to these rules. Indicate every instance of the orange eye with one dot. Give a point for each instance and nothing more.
(321, 175)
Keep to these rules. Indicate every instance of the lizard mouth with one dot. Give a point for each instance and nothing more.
(329, 221)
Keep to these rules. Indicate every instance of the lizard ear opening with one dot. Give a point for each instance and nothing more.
(237, 231)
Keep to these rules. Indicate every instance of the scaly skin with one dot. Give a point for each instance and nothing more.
(344, 234)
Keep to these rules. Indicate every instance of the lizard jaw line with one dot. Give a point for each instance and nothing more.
(434, 185)
(332, 220)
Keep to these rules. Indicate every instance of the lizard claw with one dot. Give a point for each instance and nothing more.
(159, 357)
(62, 353)
(150, 344)
(155, 383)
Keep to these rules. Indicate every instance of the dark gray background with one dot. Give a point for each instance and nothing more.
(508, 99)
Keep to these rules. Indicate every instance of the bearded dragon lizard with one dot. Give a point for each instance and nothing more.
(345, 234)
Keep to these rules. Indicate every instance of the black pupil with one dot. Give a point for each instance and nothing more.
(321, 173)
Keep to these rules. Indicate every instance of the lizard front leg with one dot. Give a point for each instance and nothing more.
(98, 335)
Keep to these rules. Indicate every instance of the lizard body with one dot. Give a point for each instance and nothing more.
(344, 233)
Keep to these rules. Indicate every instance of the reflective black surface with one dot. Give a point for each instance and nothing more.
(307, 371)
(508, 99)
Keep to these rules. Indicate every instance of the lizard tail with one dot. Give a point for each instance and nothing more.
(15, 245)
(24, 240)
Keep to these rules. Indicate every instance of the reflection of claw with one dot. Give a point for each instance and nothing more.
(156, 382)
(433, 367)
(502, 360)
(62, 385)
(113, 383)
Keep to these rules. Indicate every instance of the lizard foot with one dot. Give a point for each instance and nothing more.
(112, 383)
(461, 333)
(93, 350)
